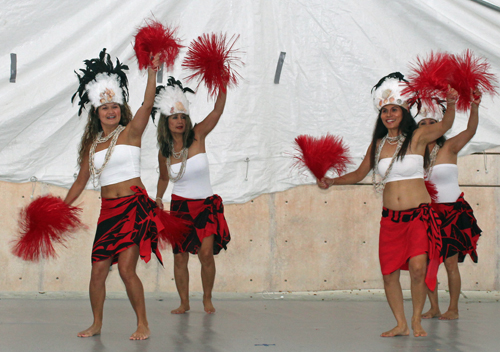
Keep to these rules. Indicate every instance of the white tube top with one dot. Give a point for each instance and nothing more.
(445, 177)
(124, 164)
(195, 183)
(412, 166)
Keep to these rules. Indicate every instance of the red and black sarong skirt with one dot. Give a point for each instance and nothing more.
(127, 221)
(406, 234)
(459, 230)
(207, 215)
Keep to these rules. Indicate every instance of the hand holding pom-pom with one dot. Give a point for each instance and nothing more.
(45, 221)
(321, 154)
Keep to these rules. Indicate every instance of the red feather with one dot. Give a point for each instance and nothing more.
(213, 58)
(432, 189)
(471, 73)
(321, 154)
(45, 221)
(154, 38)
(429, 78)
(175, 230)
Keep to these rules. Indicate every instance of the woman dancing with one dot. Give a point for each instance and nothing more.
(409, 228)
(110, 152)
(459, 230)
(183, 160)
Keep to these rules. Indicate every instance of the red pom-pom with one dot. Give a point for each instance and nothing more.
(155, 38)
(470, 73)
(175, 231)
(432, 190)
(213, 58)
(45, 221)
(321, 154)
(429, 78)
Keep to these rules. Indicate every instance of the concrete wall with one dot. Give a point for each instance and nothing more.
(299, 240)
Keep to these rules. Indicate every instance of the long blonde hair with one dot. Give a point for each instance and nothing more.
(93, 127)
(165, 139)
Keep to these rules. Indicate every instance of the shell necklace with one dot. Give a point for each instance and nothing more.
(379, 186)
(96, 172)
(182, 154)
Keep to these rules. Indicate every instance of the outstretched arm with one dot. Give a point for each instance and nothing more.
(162, 179)
(350, 178)
(141, 118)
(460, 140)
(209, 123)
(430, 133)
(80, 182)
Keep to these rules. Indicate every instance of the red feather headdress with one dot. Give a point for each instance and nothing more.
(212, 57)
(321, 154)
(45, 221)
(155, 38)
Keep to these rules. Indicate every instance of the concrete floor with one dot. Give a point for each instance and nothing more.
(345, 321)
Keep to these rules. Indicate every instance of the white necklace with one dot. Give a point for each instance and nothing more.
(433, 156)
(379, 186)
(184, 154)
(393, 140)
(176, 155)
(95, 172)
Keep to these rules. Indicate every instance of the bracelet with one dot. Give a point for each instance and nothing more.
(160, 198)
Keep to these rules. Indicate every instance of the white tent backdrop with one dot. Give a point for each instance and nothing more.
(336, 50)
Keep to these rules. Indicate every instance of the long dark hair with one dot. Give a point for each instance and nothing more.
(93, 127)
(406, 127)
(165, 138)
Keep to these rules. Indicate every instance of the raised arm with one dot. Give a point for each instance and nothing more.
(460, 140)
(351, 177)
(209, 123)
(162, 179)
(80, 182)
(141, 118)
(429, 133)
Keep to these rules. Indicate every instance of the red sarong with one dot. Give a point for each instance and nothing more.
(459, 230)
(406, 234)
(127, 221)
(207, 215)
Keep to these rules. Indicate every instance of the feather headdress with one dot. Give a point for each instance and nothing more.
(170, 99)
(101, 82)
(389, 91)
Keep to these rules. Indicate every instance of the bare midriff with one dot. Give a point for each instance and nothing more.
(121, 189)
(405, 194)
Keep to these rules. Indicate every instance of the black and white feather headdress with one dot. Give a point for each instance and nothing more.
(101, 82)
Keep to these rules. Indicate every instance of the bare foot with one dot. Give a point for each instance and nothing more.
(209, 307)
(142, 333)
(432, 313)
(183, 308)
(449, 315)
(418, 330)
(93, 330)
(397, 331)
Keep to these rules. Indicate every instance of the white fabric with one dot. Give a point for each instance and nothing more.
(124, 164)
(195, 183)
(335, 52)
(410, 167)
(445, 177)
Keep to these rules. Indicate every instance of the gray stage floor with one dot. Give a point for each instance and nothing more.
(348, 321)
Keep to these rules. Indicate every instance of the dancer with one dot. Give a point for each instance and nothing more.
(409, 228)
(182, 159)
(459, 229)
(110, 152)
